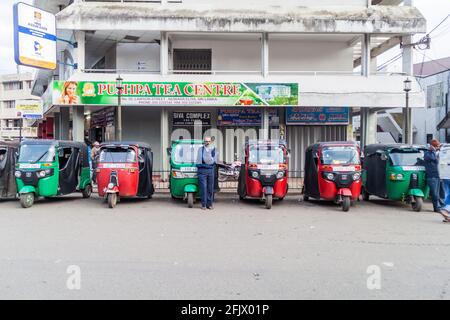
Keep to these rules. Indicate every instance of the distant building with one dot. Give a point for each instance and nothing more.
(433, 121)
(15, 87)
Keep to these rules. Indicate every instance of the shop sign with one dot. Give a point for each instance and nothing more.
(34, 37)
(176, 93)
(245, 117)
(190, 118)
(29, 109)
(317, 115)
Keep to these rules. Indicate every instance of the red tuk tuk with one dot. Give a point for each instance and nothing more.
(333, 172)
(124, 170)
(264, 174)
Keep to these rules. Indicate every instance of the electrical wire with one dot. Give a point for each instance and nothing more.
(390, 61)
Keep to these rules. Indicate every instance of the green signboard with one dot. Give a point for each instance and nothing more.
(176, 93)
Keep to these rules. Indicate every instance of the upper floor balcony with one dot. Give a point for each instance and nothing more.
(350, 16)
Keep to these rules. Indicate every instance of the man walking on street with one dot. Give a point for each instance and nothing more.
(95, 153)
(206, 163)
(432, 173)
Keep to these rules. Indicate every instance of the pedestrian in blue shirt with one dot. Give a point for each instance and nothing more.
(206, 163)
(432, 173)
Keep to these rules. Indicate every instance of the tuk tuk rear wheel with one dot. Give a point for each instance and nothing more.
(346, 204)
(190, 199)
(417, 204)
(26, 200)
(112, 200)
(269, 200)
(87, 191)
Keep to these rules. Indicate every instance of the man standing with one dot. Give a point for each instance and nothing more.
(95, 153)
(432, 173)
(206, 163)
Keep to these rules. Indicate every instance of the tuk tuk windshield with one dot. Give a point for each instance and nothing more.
(186, 153)
(266, 154)
(340, 155)
(117, 155)
(407, 158)
(32, 153)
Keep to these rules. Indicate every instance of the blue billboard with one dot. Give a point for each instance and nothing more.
(317, 115)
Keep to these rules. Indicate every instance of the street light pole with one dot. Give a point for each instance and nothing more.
(407, 89)
(119, 108)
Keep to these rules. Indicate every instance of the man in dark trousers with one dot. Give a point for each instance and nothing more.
(432, 173)
(206, 163)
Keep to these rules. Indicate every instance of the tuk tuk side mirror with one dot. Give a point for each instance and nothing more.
(169, 151)
(60, 153)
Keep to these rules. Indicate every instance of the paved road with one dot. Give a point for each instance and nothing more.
(160, 249)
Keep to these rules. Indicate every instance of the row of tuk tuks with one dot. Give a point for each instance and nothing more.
(333, 171)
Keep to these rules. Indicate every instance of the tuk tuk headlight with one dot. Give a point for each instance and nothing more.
(17, 174)
(280, 174)
(42, 174)
(110, 185)
(255, 174)
(177, 174)
(329, 176)
(356, 176)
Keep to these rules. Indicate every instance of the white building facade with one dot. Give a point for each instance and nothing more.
(432, 121)
(303, 68)
(15, 87)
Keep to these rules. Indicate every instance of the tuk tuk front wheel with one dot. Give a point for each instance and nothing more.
(87, 191)
(417, 204)
(346, 203)
(112, 200)
(26, 200)
(190, 199)
(269, 200)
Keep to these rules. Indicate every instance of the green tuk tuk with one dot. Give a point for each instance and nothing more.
(183, 182)
(395, 172)
(49, 168)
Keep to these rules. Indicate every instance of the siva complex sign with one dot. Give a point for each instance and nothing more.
(175, 93)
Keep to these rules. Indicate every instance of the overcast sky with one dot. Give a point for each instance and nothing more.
(433, 10)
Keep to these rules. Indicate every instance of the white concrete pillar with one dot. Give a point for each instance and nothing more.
(56, 129)
(78, 123)
(365, 55)
(265, 124)
(407, 68)
(164, 53)
(80, 59)
(61, 66)
(265, 54)
(165, 140)
(64, 119)
(368, 127)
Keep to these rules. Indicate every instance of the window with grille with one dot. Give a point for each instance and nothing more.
(13, 85)
(9, 104)
(192, 59)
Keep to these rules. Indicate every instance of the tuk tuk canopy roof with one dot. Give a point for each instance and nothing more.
(372, 148)
(317, 145)
(266, 142)
(138, 144)
(59, 143)
(187, 141)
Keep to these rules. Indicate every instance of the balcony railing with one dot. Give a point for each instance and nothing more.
(243, 72)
